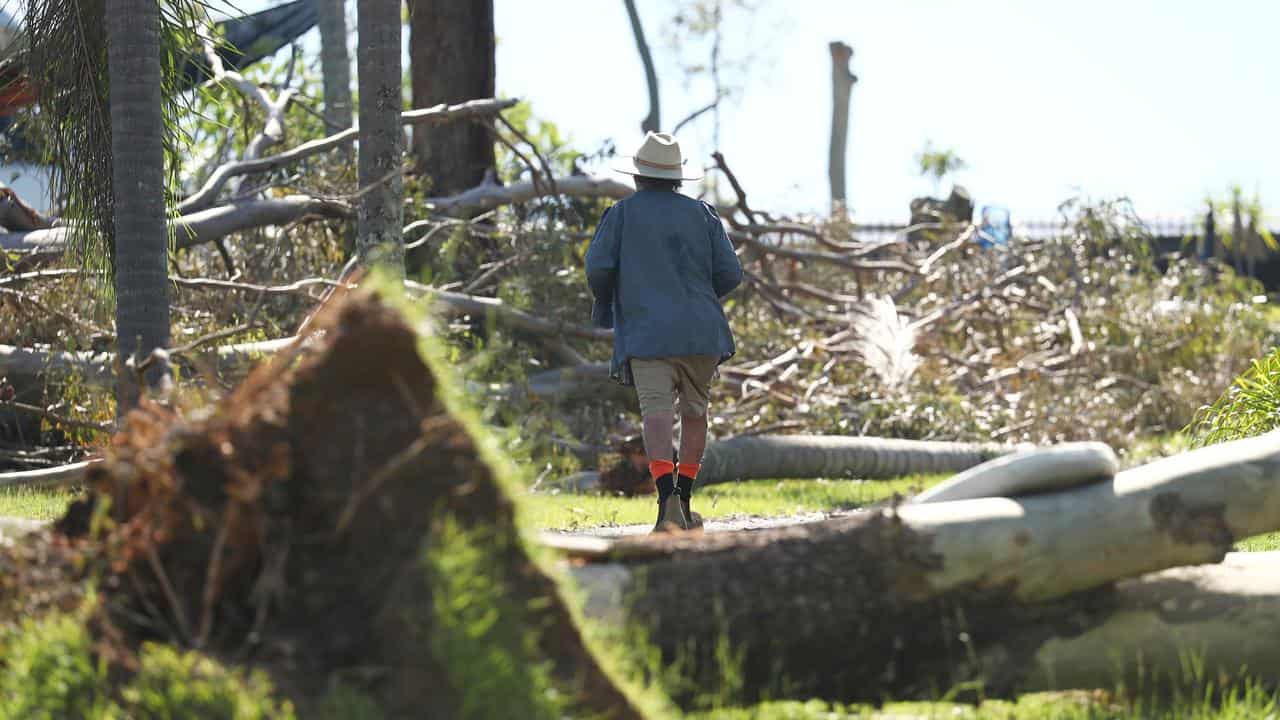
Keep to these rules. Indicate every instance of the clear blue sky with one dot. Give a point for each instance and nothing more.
(1161, 100)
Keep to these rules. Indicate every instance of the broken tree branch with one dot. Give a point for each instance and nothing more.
(202, 226)
(490, 196)
(207, 194)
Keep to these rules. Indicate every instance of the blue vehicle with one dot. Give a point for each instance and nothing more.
(995, 228)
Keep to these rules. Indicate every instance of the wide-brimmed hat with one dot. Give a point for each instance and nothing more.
(658, 157)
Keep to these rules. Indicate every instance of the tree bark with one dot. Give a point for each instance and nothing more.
(381, 212)
(451, 59)
(842, 81)
(335, 64)
(764, 457)
(137, 148)
(653, 121)
(909, 601)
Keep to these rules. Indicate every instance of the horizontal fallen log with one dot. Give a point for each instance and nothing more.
(836, 456)
(1027, 472)
(208, 193)
(62, 475)
(899, 601)
(96, 368)
(203, 226)
(490, 196)
(767, 457)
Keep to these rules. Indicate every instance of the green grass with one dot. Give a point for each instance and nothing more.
(34, 503)
(1249, 703)
(569, 511)
(1260, 543)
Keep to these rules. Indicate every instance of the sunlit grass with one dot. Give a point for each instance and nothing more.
(34, 503)
(759, 498)
(1260, 543)
(1247, 703)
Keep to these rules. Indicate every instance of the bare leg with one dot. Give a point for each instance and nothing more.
(693, 438)
(657, 435)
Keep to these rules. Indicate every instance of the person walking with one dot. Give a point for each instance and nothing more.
(659, 266)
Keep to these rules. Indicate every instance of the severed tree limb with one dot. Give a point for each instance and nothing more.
(207, 194)
(911, 600)
(71, 474)
(203, 226)
(489, 196)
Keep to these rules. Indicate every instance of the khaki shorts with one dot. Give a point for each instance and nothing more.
(659, 381)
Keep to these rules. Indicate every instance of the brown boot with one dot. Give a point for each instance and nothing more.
(670, 513)
(684, 490)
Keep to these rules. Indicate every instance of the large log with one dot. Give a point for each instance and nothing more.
(1029, 471)
(900, 601)
(832, 456)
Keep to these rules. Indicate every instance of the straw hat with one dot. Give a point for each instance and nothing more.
(658, 157)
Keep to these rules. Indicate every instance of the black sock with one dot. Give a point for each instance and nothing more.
(666, 486)
(684, 486)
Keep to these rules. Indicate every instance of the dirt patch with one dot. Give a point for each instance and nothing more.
(292, 528)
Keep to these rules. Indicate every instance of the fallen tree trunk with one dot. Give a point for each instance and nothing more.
(1024, 473)
(910, 601)
(766, 457)
(763, 457)
(62, 475)
(202, 226)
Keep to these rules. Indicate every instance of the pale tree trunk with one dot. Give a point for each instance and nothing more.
(842, 81)
(335, 63)
(910, 601)
(137, 148)
(653, 121)
(381, 141)
(451, 44)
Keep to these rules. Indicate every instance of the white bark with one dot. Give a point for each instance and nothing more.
(202, 226)
(1027, 472)
(489, 196)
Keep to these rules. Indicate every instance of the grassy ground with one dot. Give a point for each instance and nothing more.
(1247, 704)
(34, 503)
(570, 511)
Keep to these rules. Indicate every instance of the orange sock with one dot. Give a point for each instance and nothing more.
(689, 470)
(658, 468)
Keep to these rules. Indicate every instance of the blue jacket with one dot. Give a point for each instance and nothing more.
(658, 266)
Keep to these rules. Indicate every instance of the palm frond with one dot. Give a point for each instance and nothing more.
(66, 63)
(886, 341)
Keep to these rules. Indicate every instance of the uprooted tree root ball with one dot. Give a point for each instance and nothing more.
(334, 523)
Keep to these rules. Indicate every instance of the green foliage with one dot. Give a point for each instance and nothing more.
(345, 703)
(172, 685)
(48, 672)
(1251, 406)
(480, 633)
(939, 163)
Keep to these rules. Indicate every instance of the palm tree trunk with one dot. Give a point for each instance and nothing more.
(137, 148)
(381, 141)
(335, 64)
